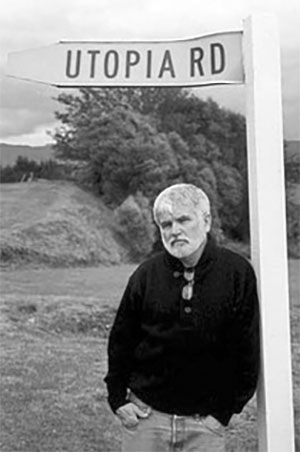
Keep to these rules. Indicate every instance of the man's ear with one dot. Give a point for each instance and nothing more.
(207, 221)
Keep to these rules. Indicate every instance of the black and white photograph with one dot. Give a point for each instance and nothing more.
(149, 225)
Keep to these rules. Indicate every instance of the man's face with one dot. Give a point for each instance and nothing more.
(183, 229)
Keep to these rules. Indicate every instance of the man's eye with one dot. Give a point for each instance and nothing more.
(184, 219)
(166, 225)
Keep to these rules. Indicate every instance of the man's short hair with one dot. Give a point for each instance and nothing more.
(181, 194)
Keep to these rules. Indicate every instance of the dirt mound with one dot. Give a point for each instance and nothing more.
(55, 223)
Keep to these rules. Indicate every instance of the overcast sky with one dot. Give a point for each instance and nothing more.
(27, 108)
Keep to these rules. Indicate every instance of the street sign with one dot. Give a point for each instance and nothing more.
(211, 59)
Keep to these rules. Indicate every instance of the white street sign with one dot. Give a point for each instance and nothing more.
(211, 59)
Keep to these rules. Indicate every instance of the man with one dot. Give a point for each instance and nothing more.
(184, 347)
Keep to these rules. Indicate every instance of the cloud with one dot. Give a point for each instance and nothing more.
(22, 120)
(34, 23)
(24, 106)
(40, 135)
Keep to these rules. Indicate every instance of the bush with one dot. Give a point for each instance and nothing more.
(292, 168)
(293, 224)
(27, 170)
(134, 226)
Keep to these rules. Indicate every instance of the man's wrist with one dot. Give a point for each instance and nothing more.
(116, 403)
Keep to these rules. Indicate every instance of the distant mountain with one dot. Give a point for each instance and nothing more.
(10, 153)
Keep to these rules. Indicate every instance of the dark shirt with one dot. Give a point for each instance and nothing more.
(202, 359)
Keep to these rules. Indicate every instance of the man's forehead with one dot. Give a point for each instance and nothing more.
(174, 210)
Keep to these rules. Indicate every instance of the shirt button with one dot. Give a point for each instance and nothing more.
(187, 310)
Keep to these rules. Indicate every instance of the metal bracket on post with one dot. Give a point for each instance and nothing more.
(268, 229)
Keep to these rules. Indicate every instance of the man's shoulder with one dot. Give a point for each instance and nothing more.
(149, 265)
(234, 260)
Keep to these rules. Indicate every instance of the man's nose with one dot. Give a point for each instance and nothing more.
(175, 229)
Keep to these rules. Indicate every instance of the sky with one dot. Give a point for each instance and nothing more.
(27, 108)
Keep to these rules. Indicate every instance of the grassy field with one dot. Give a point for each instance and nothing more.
(55, 224)
(54, 327)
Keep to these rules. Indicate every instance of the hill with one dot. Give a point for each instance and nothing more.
(10, 153)
(55, 223)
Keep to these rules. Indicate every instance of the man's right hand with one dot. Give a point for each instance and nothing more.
(130, 413)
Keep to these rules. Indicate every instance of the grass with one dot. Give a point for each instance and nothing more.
(53, 360)
(55, 223)
(54, 328)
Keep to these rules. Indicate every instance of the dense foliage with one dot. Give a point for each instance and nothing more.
(144, 139)
(25, 169)
(292, 167)
(132, 223)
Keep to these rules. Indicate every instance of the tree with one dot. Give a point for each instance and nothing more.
(144, 139)
(133, 224)
(230, 191)
(128, 155)
(88, 109)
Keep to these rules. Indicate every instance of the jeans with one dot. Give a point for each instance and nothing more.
(165, 432)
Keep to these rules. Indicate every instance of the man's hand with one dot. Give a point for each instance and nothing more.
(130, 413)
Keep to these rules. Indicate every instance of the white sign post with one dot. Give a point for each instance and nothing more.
(268, 230)
(250, 57)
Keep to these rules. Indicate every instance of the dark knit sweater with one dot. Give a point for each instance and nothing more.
(203, 360)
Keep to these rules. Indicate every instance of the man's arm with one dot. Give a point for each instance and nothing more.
(246, 341)
(123, 339)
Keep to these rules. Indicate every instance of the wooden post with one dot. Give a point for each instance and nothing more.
(268, 230)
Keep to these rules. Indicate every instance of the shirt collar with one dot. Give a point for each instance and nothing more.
(206, 258)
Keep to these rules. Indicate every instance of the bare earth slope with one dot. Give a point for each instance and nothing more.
(55, 223)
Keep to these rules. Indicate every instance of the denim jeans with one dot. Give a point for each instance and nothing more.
(165, 432)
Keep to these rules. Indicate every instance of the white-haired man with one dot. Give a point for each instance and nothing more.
(184, 347)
